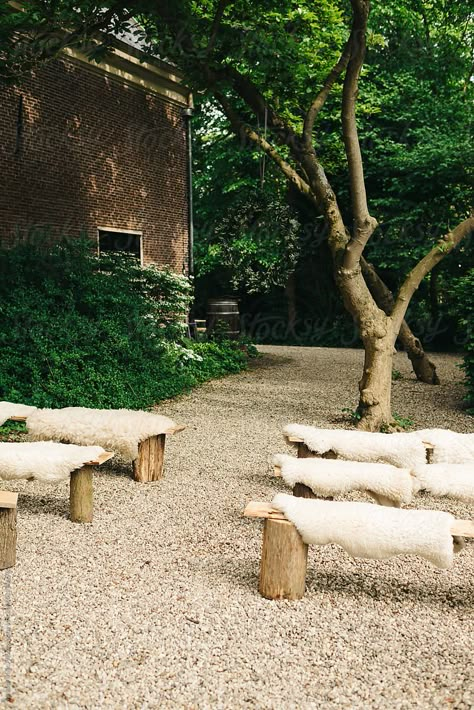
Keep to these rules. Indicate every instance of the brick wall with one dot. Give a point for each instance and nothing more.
(93, 152)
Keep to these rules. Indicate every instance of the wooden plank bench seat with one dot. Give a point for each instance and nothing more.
(284, 554)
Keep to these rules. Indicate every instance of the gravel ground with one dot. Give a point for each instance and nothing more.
(155, 605)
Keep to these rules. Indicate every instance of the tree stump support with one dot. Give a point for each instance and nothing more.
(8, 506)
(305, 453)
(301, 490)
(284, 561)
(81, 495)
(81, 490)
(149, 464)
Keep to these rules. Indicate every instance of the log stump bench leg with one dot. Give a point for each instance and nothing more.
(284, 561)
(81, 495)
(300, 490)
(305, 453)
(149, 464)
(8, 506)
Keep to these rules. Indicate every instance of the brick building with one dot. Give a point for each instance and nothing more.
(100, 149)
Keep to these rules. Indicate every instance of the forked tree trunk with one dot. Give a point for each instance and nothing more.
(375, 387)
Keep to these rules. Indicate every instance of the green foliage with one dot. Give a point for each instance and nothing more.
(76, 330)
(464, 295)
(402, 422)
(254, 244)
(352, 414)
(396, 375)
(398, 423)
(417, 146)
(12, 431)
(246, 235)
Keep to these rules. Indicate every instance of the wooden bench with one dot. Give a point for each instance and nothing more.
(305, 453)
(301, 490)
(149, 464)
(284, 554)
(8, 507)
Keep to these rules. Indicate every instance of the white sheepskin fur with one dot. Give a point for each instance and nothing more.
(396, 449)
(389, 485)
(10, 409)
(370, 531)
(449, 446)
(118, 430)
(44, 460)
(455, 480)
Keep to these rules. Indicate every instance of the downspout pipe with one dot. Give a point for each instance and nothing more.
(188, 114)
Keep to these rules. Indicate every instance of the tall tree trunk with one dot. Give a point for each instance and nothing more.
(375, 387)
(423, 367)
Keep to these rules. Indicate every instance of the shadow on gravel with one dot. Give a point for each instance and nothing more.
(116, 468)
(394, 590)
(48, 505)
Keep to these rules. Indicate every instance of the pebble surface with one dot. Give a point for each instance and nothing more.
(155, 605)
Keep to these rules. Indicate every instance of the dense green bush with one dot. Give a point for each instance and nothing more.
(464, 292)
(76, 330)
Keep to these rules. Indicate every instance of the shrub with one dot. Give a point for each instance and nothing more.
(464, 293)
(76, 330)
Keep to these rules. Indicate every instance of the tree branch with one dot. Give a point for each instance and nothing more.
(364, 224)
(444, 247)
(221, 7)
(241, 129)
(321, 97)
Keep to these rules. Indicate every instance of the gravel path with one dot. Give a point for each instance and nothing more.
(155, 605)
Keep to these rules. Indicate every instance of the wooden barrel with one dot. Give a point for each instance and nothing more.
(223, 313)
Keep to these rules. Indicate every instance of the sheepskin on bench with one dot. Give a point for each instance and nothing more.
(454, 480)
(389, 485)
(448, 446)
(370, 531)
(44, 460)
(9, 410)
(395, 449)
(119, 430)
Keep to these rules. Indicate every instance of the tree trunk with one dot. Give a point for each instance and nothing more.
(424, 369)
(375, 387)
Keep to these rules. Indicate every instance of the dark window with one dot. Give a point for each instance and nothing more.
(119, 241)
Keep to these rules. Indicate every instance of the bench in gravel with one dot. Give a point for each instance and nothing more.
(402, 450)
(362, 529)
(8, 503)
(139, 437)
(51, 462)
(388, 485)
(326, 478)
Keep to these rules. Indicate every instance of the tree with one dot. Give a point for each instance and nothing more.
(247, 56)
(292, 148)
(235, 249)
